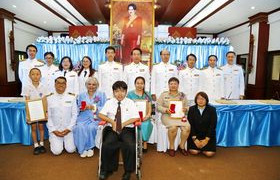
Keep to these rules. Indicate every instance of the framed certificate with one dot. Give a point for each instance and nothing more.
(176, 108)
(35, 110)
(142, 106)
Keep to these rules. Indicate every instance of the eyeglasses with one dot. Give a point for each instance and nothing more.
(165, 54)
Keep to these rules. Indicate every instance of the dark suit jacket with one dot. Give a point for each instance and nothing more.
(203, 125)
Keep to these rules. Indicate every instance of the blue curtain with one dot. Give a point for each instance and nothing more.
(180, 52)
(97, 52)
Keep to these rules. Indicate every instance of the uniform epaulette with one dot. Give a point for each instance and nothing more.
(165, 91)
(40, 60)
(57, 70)
(103, 62)
(155, 63)
(22, 60)
(71, 94)
(118, 63)
(219, 68)
(49, 95)
(204, 68)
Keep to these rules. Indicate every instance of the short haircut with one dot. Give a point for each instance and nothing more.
(110, 48)
(31, 45)
(131, 5)
(119, 85)
(202, 94)
(60, 77)
(70, 61)
(231, 52)
(187, 58)
(212, 55)
(92, 79)
(34, 69)
(136, 49)
(173, 79)
(49, 53)
(164, 50)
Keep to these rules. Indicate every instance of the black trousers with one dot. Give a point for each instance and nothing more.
(112, 143)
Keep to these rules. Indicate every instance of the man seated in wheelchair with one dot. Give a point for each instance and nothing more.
(120, 113)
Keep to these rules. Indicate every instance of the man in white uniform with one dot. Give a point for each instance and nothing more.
(109, 72)
(29, 63)
(161, 73)
(48, 72)
(234, 78)
(213, 80)
(62, 116)
(135, 69)
(190, 78)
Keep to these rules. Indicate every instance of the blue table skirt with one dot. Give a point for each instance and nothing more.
(13, 126)
(238, 125)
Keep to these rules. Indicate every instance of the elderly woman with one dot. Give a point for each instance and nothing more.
(90, 103)
(172, 124)
(203, 119)
(140, 94)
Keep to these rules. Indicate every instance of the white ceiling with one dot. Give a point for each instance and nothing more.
(235, 13)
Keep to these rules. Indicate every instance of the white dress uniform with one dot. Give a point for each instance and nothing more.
(213, 83)
(108, 74)
(72, 81)
(34, 92)
(132, 71)
(128, 110)
(161, 73)
(234, 81)
(83, 78)
(62, 115)
(47, 79)
(25, 66)
(190, 82)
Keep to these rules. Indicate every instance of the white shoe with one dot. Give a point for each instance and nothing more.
(85, 153)
(90, 153)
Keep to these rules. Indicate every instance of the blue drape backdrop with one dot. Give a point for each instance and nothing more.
(97, 52)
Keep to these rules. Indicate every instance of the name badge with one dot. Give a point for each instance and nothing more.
(167, 97)
(171, 69)
(72, 76)
(38, 65)
(196, 75)
(218, 74)
(235, 70)
(68, 102)
(142, 70)
(116, 68)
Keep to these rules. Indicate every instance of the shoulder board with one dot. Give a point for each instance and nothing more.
(155, 63)
(219, 68)
(22, 60)
(118, 63)
(49, 95)
(103, 62)
(165, 92)
(57, 70)
(72, 94)
(204, 68)
(40, 60)
(239, 65)
(183, 94)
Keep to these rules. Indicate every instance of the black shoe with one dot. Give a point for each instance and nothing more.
(104, 174)
(36, 150)
(126, 176)
(42, 149)
(145, 151)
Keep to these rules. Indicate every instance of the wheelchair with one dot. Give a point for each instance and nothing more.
(138, 147)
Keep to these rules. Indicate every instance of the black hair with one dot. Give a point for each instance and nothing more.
(91, 70)
(164, 50)
(35, 69)
(202, 94)
(132, 5)
(187, 58)
(60, 77)
(231, 52)
(173, 79)
(31, 45)
(110, 48)
(212, 55)
(136, 49)
(119, 85)
(49, 53)
(60, 64)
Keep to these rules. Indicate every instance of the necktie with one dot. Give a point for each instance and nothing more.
(85, 74)
(118, 118)
(64, 73)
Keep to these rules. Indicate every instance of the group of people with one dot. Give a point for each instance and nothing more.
(78, 101)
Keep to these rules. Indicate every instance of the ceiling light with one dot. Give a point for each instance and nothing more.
(45, 22)
(253, 7)
(14, 6)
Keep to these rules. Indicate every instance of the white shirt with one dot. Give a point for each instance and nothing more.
(234, 81)
(128, 110)
(34, 92)
(108, 74)
(161, 73)
(62, 112)
(47, 79)
(190, 82)
(82, 80)
(213, 83)
(132, 71)
(72, 81)
(25, 66)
